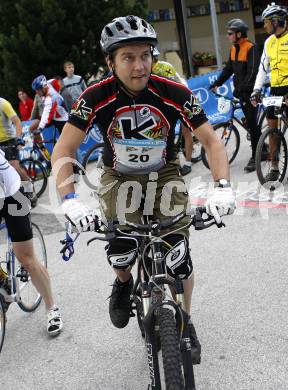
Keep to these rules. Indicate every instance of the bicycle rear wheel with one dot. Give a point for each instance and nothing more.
(275, 152)
(93, 165)
(30, 297)
(37, 173)
(2, 322)
(170, 345)
(229, 135)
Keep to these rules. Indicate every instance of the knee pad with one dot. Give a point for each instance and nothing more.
(178, 260)
(122, 252)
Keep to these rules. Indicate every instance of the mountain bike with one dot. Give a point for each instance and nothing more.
(36, 159)
(162, 320)
(273, 141)
(15, 281)
(227, 131)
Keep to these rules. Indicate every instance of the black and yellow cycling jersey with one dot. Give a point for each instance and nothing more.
(274, 60)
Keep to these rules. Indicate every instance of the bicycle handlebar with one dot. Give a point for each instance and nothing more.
(110, 230)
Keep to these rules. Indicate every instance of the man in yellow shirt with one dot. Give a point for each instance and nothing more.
(274, 60)
(10, 141)
(163, 68)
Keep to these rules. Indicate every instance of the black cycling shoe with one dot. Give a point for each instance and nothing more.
(119, 305)
(272, 175)
(185, 170)
(251, 166)
(195, 345)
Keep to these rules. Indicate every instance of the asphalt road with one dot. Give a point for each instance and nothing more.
(239, 305)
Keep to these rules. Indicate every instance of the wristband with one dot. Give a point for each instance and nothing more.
(70, 195)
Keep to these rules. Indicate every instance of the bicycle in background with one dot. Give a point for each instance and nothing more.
(36, 159)
(15, 281)
(227, 130)
(273, 141)
(162, 320)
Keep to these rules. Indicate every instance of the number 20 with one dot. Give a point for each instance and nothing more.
(142, 158)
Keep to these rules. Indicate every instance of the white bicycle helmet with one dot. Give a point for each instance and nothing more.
(39, 82)
(274, 11)
(126, 29)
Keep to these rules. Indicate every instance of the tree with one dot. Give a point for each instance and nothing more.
(37, 36)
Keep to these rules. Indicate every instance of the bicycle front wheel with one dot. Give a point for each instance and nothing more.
(170, 345)
(271, 153)
(37, 173)
(93, 165)
(230, 137)
(29, 297)
(2, 322)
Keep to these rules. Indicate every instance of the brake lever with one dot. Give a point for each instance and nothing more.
(108, 236)
(68, 246)
(201, 223)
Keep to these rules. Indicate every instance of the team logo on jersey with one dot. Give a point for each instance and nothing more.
(81, 110)
(144, 112)
(149, 125)
(192, 108)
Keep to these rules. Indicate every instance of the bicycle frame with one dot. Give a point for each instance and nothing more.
(12, 292)
(36, 145)
(156, 284)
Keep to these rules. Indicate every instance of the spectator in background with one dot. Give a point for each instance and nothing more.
(96, 76)
(73, 83)
(25, 105)
(58, 84)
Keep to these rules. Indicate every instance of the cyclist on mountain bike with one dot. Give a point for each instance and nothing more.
(10, 142)
(136, 112)
(15, 211)
(163, 68)
(54, 112)
(274, 60)
(243, 63)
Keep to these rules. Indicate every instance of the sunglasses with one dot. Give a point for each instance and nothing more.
(230, 33)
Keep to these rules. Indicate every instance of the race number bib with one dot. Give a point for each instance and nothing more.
(134, 156)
